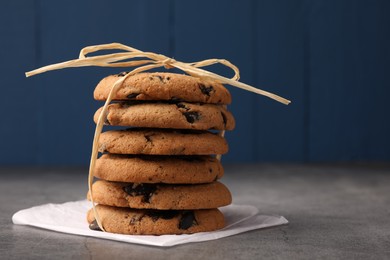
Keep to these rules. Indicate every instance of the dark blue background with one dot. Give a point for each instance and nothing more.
(330, 57)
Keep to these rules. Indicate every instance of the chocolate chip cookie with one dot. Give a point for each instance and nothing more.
(162, 142)
(163, 86)
(161, 196)
(151, 222)
(164, 115)
(158, 169)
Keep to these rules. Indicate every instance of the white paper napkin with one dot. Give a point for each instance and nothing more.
(70, 218)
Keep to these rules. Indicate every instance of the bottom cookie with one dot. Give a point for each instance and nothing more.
(155, 222)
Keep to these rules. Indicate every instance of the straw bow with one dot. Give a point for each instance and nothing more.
(153, 60)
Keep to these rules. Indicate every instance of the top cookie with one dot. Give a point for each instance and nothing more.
(163, 86)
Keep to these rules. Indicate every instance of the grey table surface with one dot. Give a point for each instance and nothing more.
(335, 212)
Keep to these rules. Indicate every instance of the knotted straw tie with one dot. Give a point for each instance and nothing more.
(145, 61)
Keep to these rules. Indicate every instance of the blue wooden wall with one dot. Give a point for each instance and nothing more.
(330, 57)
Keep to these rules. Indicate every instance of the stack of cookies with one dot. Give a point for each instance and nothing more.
(160, 175)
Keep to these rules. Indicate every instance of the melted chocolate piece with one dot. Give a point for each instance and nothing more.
(157, 76)
(148, 138)
(187, 220)
(206, 90)
(94, 226)
(145, 190)
(132, 95)
(181, 105)
(191, 116)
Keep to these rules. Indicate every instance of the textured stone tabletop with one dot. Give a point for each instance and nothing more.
(335, 212)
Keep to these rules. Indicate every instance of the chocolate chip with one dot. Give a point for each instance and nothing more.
(157, 76)
(181, 105)
(160, 78)
(224, 118)
(122, 74)
(168, 78)
(206, 90)
(145, 190)
(148, 138)
(94, 226)
(132, 95)
(191, 116)
(187, 220)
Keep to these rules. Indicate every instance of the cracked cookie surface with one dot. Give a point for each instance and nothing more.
(163, 86)
(158, 169)
(154, 222)
(161, 142)
(163, 115)
(161, 196)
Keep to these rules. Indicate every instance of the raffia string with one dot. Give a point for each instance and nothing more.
(144, 61)
(158, 60)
